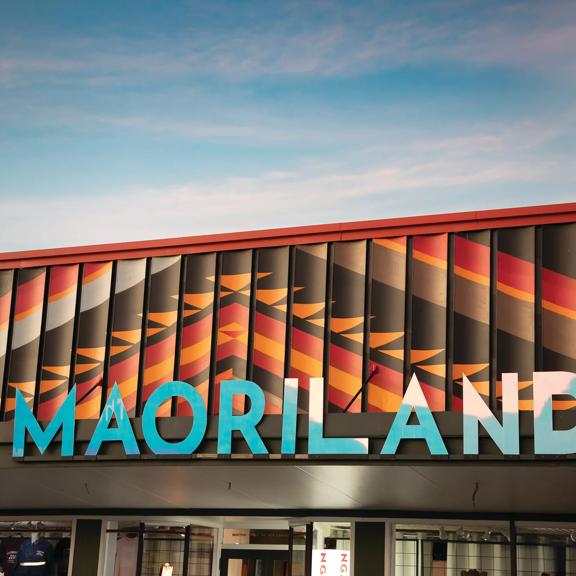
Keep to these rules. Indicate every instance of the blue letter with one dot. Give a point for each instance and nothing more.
(505, 435)
(546, 439)
(426, 428)
(123, 433)
(317, 444)
(187, 446)
(245, 423)
(25, 420)
(289, 416)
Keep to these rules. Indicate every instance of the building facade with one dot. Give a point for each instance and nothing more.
(384, 397)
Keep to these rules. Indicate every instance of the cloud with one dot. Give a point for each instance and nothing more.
(240, 42)
(441, 175)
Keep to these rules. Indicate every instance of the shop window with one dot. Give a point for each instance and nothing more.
(546, 550)
(38, 548)
(452, 550)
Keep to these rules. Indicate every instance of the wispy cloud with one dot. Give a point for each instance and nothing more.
(320, 39)
(406, 185)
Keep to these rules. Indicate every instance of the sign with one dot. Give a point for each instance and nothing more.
(114, 424)
(330, 562)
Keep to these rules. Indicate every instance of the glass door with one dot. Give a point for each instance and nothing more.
(301, 536)
(254, 563)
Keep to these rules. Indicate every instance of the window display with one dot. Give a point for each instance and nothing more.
(34, 549)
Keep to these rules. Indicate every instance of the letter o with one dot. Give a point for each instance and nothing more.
(155, 442)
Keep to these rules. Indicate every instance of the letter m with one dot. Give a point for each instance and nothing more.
(24, 421)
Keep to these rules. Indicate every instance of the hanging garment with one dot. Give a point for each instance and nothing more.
(62, 556)
(126, 557)
(34, 558)
(8, 551)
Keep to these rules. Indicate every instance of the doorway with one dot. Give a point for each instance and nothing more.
(254, 562)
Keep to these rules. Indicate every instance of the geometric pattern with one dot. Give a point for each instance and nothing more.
(233, 323)
(533, 280)
(59, 331)
(471, 314)
(160, 333)
(270, 325)
(515, 311)
(347, 326)
(429, 298)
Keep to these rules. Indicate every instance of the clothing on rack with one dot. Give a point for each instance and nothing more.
(62, 556)
(34, 558)
(8, 551)
(126, 556)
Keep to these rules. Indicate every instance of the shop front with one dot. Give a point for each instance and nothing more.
(390, 397)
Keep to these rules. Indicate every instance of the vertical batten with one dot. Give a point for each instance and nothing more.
(429, 299)
(515, 310)
(197, 320)
(385, 390)
(270, 325)
(471, 314)
(92, 334)
(308, 317)
(347, 326)
(161, 327)
(59, 330)
(127, 330)
(233, 322)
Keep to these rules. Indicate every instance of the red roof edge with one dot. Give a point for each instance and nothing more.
(430, 224)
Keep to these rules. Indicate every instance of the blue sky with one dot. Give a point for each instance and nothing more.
(137, 119)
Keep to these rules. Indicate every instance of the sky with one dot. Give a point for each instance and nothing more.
(139, 119)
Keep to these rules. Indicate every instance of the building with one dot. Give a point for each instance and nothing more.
(289, 449)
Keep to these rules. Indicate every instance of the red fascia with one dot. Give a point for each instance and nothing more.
(432, 224)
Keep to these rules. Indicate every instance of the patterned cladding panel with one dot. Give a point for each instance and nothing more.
(127, 330)
(161, 327)
(262, 277)
(471, 318)
(59, 331)
(233, 322)
(92, 332)
(270, 325)
(198, 317)
(515, 309)
(6, 281)
(26, 337)
(559, 302)
(429, 298)
(308, 317)
(388, 296)
(347, 326)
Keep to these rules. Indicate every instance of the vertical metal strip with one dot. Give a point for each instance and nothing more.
(8, 360)
(538, 263)
(179, 324)
(513, 549)
(186, 558)
(450, 325)
(289, 307)
(142, 359)
(408, 312)
(308, 550)
(109, 327)
(252, 316)
(493, 346)
(290, 549)
(42, 342)
(367, 313)
(214, 343)
(76, 329)
(327, 321)
(140, 553)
